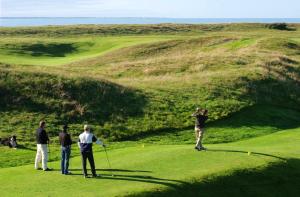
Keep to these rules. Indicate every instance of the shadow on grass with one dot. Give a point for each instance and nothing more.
(261, 115)
(45, 49)
(135, 178)
(253, 153)
(278, 179)
(147, 179)
(114, 170)
(70, 99)
(20, 146)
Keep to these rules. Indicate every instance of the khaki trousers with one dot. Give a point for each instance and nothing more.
(199, 132)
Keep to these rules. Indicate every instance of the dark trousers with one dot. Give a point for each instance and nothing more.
(65, 156)
(90, 157)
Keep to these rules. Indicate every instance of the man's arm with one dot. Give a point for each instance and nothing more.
(196, 113)
(98, 141)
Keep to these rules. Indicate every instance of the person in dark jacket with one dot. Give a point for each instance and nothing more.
(10, 142)
(42, 140)
(201, 116)
(65, 142)
(85, 144)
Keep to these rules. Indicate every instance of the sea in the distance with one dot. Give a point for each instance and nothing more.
(42, 21)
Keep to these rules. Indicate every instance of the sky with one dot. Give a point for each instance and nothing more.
(152, 8)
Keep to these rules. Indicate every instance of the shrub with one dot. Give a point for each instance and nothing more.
(279, 26)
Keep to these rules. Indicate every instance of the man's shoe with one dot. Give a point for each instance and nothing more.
(96, 175)
(68, 173)
(48, 169)
(198, 149)
(38, 168)
(86, 176)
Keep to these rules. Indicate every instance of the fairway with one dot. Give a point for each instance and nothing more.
(57, 51)
(139, 170)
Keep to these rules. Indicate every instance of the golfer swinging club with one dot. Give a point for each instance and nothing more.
(201, 117)
(85, 144)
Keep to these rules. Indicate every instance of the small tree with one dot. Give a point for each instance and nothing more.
(279, 26)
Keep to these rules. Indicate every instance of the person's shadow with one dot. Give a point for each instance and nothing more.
(240, 151)
(141, 178)
(21, 146)
(115, 170)
(111, 175)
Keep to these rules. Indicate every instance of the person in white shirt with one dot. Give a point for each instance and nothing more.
(85, 144)
(13, 142)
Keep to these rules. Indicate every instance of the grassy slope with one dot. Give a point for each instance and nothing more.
(175, 167)
(223, 70)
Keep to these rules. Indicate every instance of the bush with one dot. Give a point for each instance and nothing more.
(279, 26)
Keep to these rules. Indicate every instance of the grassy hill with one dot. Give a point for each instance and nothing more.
(135, 88)
(139, 85)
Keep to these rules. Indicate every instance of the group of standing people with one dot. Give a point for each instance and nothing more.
(85, 144)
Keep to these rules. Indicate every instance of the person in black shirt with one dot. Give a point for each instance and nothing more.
(201, 117)
(42, 140)
(65, 142)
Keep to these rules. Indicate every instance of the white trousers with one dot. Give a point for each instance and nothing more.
(41, 154)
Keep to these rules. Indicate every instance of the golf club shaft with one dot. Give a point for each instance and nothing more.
(108, 160)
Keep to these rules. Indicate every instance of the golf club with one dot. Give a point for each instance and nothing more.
(108, 162)
(48, 154)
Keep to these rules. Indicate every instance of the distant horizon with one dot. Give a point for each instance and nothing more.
(44, 21)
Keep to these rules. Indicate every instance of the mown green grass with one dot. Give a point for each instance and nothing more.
(172, 168)
(53, 51)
